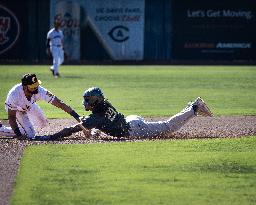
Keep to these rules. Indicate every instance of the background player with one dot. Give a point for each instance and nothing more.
(55, 47)
(107, 119)
(24, 113)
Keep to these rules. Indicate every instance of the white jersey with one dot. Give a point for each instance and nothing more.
(55, 37)
(16, 99)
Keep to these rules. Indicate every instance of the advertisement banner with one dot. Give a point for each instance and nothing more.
(210, 30)
(119, 25)
(68, 12)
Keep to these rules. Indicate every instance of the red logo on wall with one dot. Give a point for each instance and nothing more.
(9, 29)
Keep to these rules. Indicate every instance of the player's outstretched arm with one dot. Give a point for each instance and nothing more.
(68, 131)
(60, 104)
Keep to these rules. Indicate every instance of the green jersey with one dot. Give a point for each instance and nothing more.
(107, 119)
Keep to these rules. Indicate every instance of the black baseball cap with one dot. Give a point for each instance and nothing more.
(30, 80)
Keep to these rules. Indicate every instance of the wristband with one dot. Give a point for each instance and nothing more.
(17, 132)
(75, 115)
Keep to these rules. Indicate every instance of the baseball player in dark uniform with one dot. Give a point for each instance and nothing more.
(107, 119)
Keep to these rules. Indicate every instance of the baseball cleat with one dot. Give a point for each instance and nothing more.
(201, 108)
(57, 75)
(51, 69)
(6, 131)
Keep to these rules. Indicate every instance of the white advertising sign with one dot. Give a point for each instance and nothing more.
(120, 26)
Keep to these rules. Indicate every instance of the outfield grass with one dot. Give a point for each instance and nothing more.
(145, 90)
(219, 171)
(194, 172)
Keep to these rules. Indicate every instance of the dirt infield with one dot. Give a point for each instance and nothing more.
(201, 127)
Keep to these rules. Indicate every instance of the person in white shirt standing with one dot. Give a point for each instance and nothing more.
(23, 112)
(55, 47)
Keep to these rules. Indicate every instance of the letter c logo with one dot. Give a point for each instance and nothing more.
(119, 33)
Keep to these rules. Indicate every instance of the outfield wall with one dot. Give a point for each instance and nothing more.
(131, 31)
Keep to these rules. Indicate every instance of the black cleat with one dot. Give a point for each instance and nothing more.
(52, 71)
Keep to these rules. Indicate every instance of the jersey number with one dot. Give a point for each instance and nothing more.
(111, 114)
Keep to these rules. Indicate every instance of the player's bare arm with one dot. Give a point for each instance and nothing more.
(68, 131)
(13, 123)
(60, 104)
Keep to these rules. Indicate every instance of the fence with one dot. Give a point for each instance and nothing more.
(135, 31)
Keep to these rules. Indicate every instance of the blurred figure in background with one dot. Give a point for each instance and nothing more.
(55, 47)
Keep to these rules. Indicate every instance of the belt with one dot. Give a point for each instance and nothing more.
(57, 45)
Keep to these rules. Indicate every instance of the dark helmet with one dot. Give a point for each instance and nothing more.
(92, 97)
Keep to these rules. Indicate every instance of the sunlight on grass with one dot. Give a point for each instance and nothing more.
(219, 171)
(145, 90)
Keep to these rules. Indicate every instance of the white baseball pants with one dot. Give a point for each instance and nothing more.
(27, 122)
(142, 128)
(58, 58)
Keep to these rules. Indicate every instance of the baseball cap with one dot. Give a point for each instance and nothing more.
(30, 80)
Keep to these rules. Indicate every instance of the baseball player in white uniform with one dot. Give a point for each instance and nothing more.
(55, 47)
(23, 112)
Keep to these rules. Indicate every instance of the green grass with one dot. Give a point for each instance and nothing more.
(145, 90)
(193, 172)
(219, 171)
